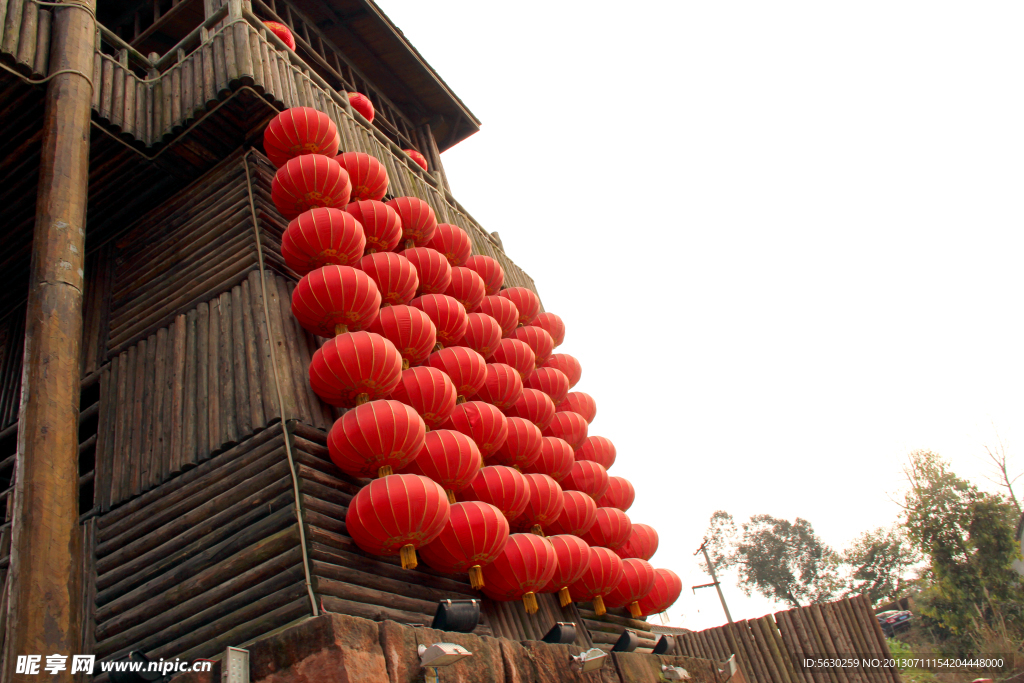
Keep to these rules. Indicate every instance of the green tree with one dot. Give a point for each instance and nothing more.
(878, 563)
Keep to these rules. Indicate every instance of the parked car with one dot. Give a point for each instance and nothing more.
(894, 620)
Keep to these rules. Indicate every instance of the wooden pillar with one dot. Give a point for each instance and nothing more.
(43, 617)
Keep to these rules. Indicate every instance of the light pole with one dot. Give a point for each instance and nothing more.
(711, 570)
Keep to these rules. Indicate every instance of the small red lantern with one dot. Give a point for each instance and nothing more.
(534, 406)
(368, 176)
(573, 557)
(667, 587)
(579, 514)
(521, 447)
(335, 299)
(502, 386)
(429, 392)
(448, 457)
(397, 514)
(553, 325)
(474, 536)
(409, 329)
(601, 577)
(434, 271)
(642, 543)
(466, 367)
(362, 104)
(376, 438)
(502, 487)
(502, 310)
(394, 276)
(587, 476)
(544, 507)
(490, 271)
(552, 382)
(517, 354)
(580, 402)
(570, 427)
(282, 32)
(569, 366)
(637, 581)
(322, 237)
(554, 459)
(527, 303)
(537, 339)
(420, 160)
(611, 530)
(525, 565)
(381, 225)
(299, 130)
(418, 220)
(599, 449)
(453, 242)
(620, 494)
(354, 368)
(483, 335)
(481, 422)
(466, 287)
(307, 182)
(447, 314)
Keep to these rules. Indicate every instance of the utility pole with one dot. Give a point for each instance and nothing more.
(711, 569)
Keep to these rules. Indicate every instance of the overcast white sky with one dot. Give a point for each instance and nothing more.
(785, 238)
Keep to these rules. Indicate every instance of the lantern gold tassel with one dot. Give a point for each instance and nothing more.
(408, 553)
(340, 329)
(405, 363)
(476, 577)
(386, 471)
(461, 399)
(438, 346)
(362, 398)
(598, 604)
(451, 497)
(634, 609)
(530, 600)
(564, 599)
(535, 529)
(409, 244)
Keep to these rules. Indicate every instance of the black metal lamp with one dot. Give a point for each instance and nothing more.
(461, 616)
(562, 632)
(663, 646)
(627, 642)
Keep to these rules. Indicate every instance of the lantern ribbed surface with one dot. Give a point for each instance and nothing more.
(307, 182)
(527, 303)
(567, 364)
(517, 354)
(282, 32)
(642, 543)
(539, 341)
(447, 314)
(464, 366)
(376, 435)
(354, 365)
(552, 382)
(620, 494)
(502, 310)
(600, 449)
(579, 513)
(573, 556)
(297, 131)
(362, 104)
(611, 530)
(434, 271)
(382, 228)
(418, 158)
(452, 242)
(418, 221)
(601, 576)
(553, 325)
(429, 392)
(579, 402)
(554, 459)
(473, 537)
(587, 476)
(544, 506)
(503, 487)
(637, 581)
(525, 566)
(448, 457)
(522, 445)
(482, 422)
(502, 386)
(490, 271)
(322, 237)
(394, 276)
(335, 295)
(368, 176)
(666, 590)
(535, 406)
(568, 426)
(409, 329)
(483, 334)
(466, 287)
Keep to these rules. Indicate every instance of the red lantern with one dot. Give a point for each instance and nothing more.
(368, 176)
(667, 587)
(282, 32)
(521, 447)
(418, 221)
(453, 242)
(376, 438)
(517, 354)
(552, 382)
(601, 577)
(611, 530)
(570, 427)
(642, 543)
(502, 487)
(573, 557)
(620, 494)
(527, 303)
(579, 513)
(450, 458)
(553, 325)
(322, 237)
(502, 310)
(466, 287)
(587, 476)
(567, 364)
(335, 299)
(580, 402)
(539, 341)
(362, 104)
(502, 387)
(466, 367)
(483, 334)
(299, 130)
(420, 160)
(355, 367)
(394, 276)
(554, 459)
(490, 271)
(524, 566)
(434, 271)
(308, 181)
(397, 514)
(381, 224)
(474, 536)
(447, 314)
(545, 504)
(409, 329)
(534, 406)
(637, 581)
(481, 422)
(599, 449)
(429, 392)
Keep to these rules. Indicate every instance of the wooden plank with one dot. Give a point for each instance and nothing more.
(226, 375)
(243, 411)
(214, 392)
(135, 452)
(177, 381)
(251, 368)
(272, 410)
(161, 404)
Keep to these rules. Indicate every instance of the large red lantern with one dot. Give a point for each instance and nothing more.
(553, 325)
(466, 367)
(362, 104)
(466, 287)
(599, 449)
(527, 303)
(620, 494)
(483, 334)
(579, 513)
(381, 225)
(525, 565)
(552, 382)
(544, 507)
(667, 587)
(448, 457)
(429, 392)
(309, 181)
(368, 176)
(637, 581)
(418, 158)
(490, 271)
(580, 402)
(502, 487)
(502, 310)
(611, 530)
(453, 242)
(570, 427)
(322, 237)
(474, 536)
(447, 314)
(355, 367)
(433, 269)
(282, 32)
(418, 221)
(299, 130)
(534, 406)
(567, 364)
(642, 543)
(481, 422)
(554, 459)
(601, 577)
(521, 447)
(394, 276)
(573, 557)
(335, 299)
(517, 354)
(397, 514)
(502, 386)
(539, 341)
(376, 438)
(409, 329)
(587, 476)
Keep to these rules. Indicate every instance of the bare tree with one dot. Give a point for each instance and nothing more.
(1002, 473)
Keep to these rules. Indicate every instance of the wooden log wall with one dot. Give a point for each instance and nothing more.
(25, 41)
(12, 349)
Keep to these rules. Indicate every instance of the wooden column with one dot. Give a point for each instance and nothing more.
(43, 617)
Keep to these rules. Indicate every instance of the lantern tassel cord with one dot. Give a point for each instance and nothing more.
(408, 554)
(530, 601)
(451, 497)
(564, 599)
(340, 329)
(476, 577)
(460, 400)
(599, 608)
(634, 609)
(537, 530)
(405, 363)
(362, 398)
(386, 471)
